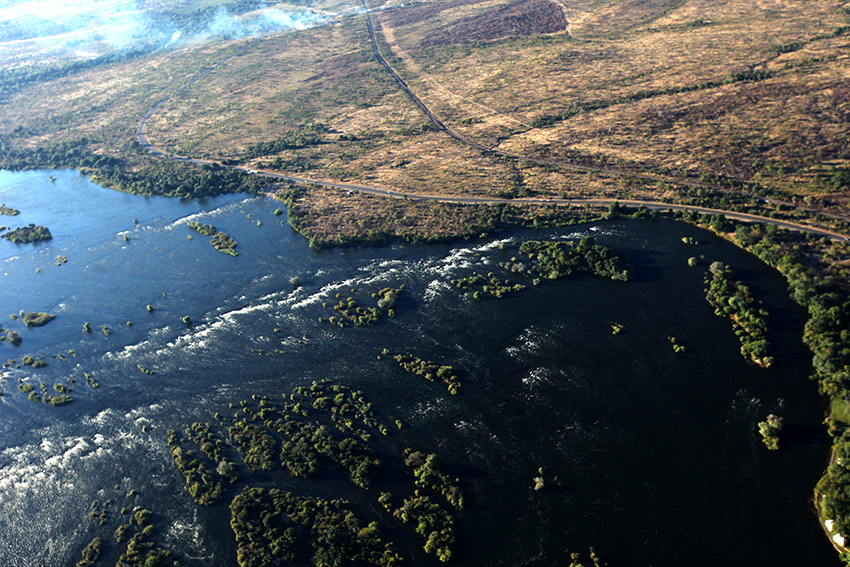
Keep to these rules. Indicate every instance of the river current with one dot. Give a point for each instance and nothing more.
(651, 457)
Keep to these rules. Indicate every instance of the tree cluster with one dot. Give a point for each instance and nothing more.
(734, 300)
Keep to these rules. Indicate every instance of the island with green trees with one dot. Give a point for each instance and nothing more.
(28, 234)
(349, 311)
(8, 211)
(734, 300)
(310, 432)
(36, 319)
(431, 371)
(221, 241)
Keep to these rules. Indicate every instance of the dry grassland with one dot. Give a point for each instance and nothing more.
(753, 91)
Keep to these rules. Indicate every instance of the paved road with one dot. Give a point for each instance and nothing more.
(652, 205)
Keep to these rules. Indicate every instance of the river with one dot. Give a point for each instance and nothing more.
(651, 457)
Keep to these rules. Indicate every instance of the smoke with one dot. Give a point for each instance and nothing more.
(88, 28)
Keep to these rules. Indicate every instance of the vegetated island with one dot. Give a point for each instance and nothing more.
(819, 284)
(221, 241)
(350, 311)
(28, 234)
(36, 319)
(548, 260)
(131, 524)
(8, 211)
(734, 300)
(308, 433)
(431, 371)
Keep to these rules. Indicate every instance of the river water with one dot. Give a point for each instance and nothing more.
(651, 457)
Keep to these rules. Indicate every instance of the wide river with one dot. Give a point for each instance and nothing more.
(651, 457)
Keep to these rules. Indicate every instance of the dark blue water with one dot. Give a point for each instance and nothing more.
(651, 457)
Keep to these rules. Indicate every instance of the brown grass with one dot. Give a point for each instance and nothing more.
(787, 132)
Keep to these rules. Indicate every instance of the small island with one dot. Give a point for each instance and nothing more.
(29, 234)
(734, 300)
(8, 211)
(431, 371)
(221, 241)
(36, 319)
(351, 312)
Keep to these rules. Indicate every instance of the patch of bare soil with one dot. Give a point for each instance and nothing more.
(523, 18)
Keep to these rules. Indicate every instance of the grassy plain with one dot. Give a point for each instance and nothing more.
(629, 98)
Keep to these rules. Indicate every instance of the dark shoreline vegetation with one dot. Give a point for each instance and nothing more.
(310, 433)
(130, 174)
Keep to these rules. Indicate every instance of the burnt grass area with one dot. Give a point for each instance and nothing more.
(523, 18)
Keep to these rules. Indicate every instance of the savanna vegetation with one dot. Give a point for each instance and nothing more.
(730, 105)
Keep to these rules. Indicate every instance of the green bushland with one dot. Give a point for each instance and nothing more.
(306, 445)
(487, 286)
(432, 523)
(139, 552)
(316, 426)
(213, 447)
(204, 229)
(221, 241)
(91, 553)
(29, 234)
(555, 260)
(336, 535)
(734, 300)
(13, 337)
(426, 469)
(224, 243)
(205, 486)
(258, 446)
